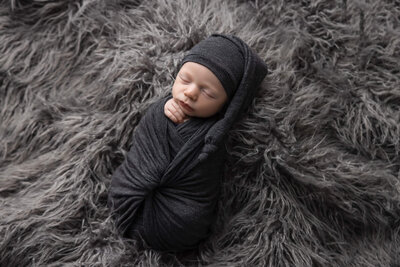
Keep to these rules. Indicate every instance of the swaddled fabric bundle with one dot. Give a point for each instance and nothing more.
(167, 188)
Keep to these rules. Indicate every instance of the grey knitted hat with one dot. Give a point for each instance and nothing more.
(223, 57)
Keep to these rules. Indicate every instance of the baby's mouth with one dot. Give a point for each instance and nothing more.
(186, 107)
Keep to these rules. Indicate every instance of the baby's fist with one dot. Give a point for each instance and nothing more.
(173, 111)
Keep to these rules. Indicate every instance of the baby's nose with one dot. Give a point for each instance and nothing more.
(191, 91)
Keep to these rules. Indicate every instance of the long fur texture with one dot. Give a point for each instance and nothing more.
(313, 173)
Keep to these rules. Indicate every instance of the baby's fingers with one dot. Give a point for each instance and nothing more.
(171, 116)
(178, 109)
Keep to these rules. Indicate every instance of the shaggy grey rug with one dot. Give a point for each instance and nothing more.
(313, 174)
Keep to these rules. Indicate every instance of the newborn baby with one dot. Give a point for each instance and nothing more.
(165, 192)
(196, 92)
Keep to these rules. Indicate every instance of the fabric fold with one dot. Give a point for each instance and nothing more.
(162, 191)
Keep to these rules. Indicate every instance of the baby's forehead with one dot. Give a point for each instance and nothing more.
(205, 74)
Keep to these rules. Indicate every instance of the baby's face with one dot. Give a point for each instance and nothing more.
(200, 89)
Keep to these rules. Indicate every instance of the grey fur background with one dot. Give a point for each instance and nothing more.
(313, 174)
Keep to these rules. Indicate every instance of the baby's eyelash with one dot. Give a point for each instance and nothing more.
(183, 79)
(203, 89)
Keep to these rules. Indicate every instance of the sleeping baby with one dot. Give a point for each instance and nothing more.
(165, 192)
(196, 92)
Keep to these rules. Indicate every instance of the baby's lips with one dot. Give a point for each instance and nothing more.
(186, 107)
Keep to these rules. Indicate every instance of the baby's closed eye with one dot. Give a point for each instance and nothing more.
(207, 91)
(185, 80)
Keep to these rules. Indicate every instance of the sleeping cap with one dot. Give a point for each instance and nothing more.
(240, 71)
(223, 57)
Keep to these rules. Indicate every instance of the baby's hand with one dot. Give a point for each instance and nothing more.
(173, 111)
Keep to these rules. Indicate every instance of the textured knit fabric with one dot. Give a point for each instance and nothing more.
(223, 57)
(254, 71)
(167, 188)
(161, 187)
(189, 127)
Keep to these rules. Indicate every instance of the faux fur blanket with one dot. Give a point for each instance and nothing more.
(312, 176)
